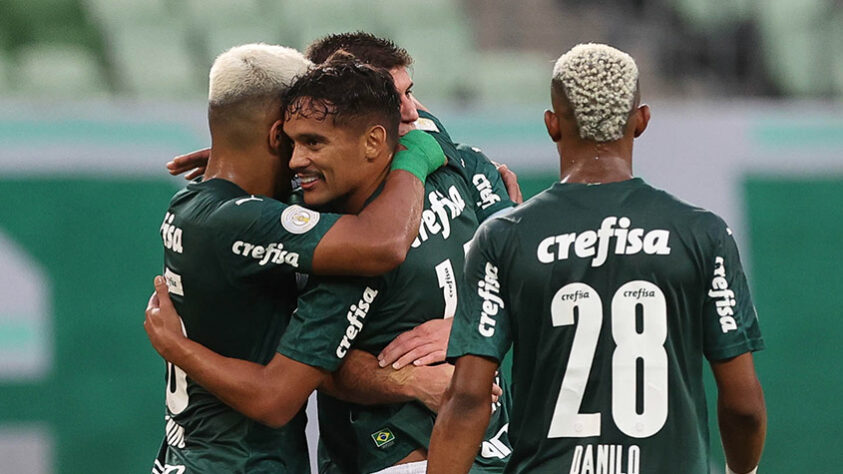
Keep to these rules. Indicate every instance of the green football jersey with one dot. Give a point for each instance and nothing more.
(230, 261)
(487, 190)
(610, 296)
(336, 314)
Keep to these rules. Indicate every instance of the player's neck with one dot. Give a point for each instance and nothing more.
(255, 172)
(359, 197)
(591, 162)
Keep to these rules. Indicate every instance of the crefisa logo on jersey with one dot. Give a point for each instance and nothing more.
(437, 219)
(273, 252)
(170, 234)
(724, 298)
(489, 288)
(484, 187)
(356, 314)
(627, 242)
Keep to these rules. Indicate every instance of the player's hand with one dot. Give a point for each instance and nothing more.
(425, 344)
(162, 324)
(196, 161)
(419, 154)
(510, 180)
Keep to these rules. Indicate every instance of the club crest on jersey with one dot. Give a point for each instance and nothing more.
(626, 242)
(298, 220)
(383, 438)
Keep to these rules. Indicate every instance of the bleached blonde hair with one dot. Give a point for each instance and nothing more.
(254, 70)
(600, 83)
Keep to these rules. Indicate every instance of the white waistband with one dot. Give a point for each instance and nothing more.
(418, 467)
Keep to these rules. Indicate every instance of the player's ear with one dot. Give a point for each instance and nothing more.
(552, 124)
(276, 136)
(376, 141)
(642, 119)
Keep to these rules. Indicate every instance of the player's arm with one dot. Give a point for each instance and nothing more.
(377, 240)
(271, 394)
(464, 416)
(741, 412)
(731, 334)
(361, 380)
(477, 345)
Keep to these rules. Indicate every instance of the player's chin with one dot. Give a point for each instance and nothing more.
(315, 198)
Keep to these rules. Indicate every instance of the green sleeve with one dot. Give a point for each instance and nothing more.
(482, 324)
(487, 187)
(331, 313)
(258, 234)
(730, 322)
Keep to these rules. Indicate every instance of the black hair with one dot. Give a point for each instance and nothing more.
(372, 50)
(349, 91)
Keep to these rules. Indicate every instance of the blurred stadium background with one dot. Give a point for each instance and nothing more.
(96, 95)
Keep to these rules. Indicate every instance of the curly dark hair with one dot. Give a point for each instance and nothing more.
(372, 50)
(354, 94)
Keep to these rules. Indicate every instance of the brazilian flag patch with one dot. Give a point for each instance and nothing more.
(383, 438)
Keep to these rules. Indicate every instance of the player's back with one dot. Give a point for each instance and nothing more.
(234, 288)
(607, 292)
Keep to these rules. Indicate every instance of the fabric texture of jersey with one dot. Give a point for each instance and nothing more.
(335, 314)
(611, 295)
(230, 260)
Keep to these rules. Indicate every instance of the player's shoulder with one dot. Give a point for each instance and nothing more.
(200, 200)
(222, 206)
(499, 227)
(689, 218)
(682, 208)
(251, 210)
(429, 123)
(472, 156)
(536, 207)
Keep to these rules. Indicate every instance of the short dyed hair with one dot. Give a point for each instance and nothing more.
(253, 71)
(350, 92)
(601, 86)
(368, 48)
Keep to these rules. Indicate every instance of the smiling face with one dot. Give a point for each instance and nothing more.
(337, 165)
(404, 86)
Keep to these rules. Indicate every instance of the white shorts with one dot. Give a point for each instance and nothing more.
(418, 467)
